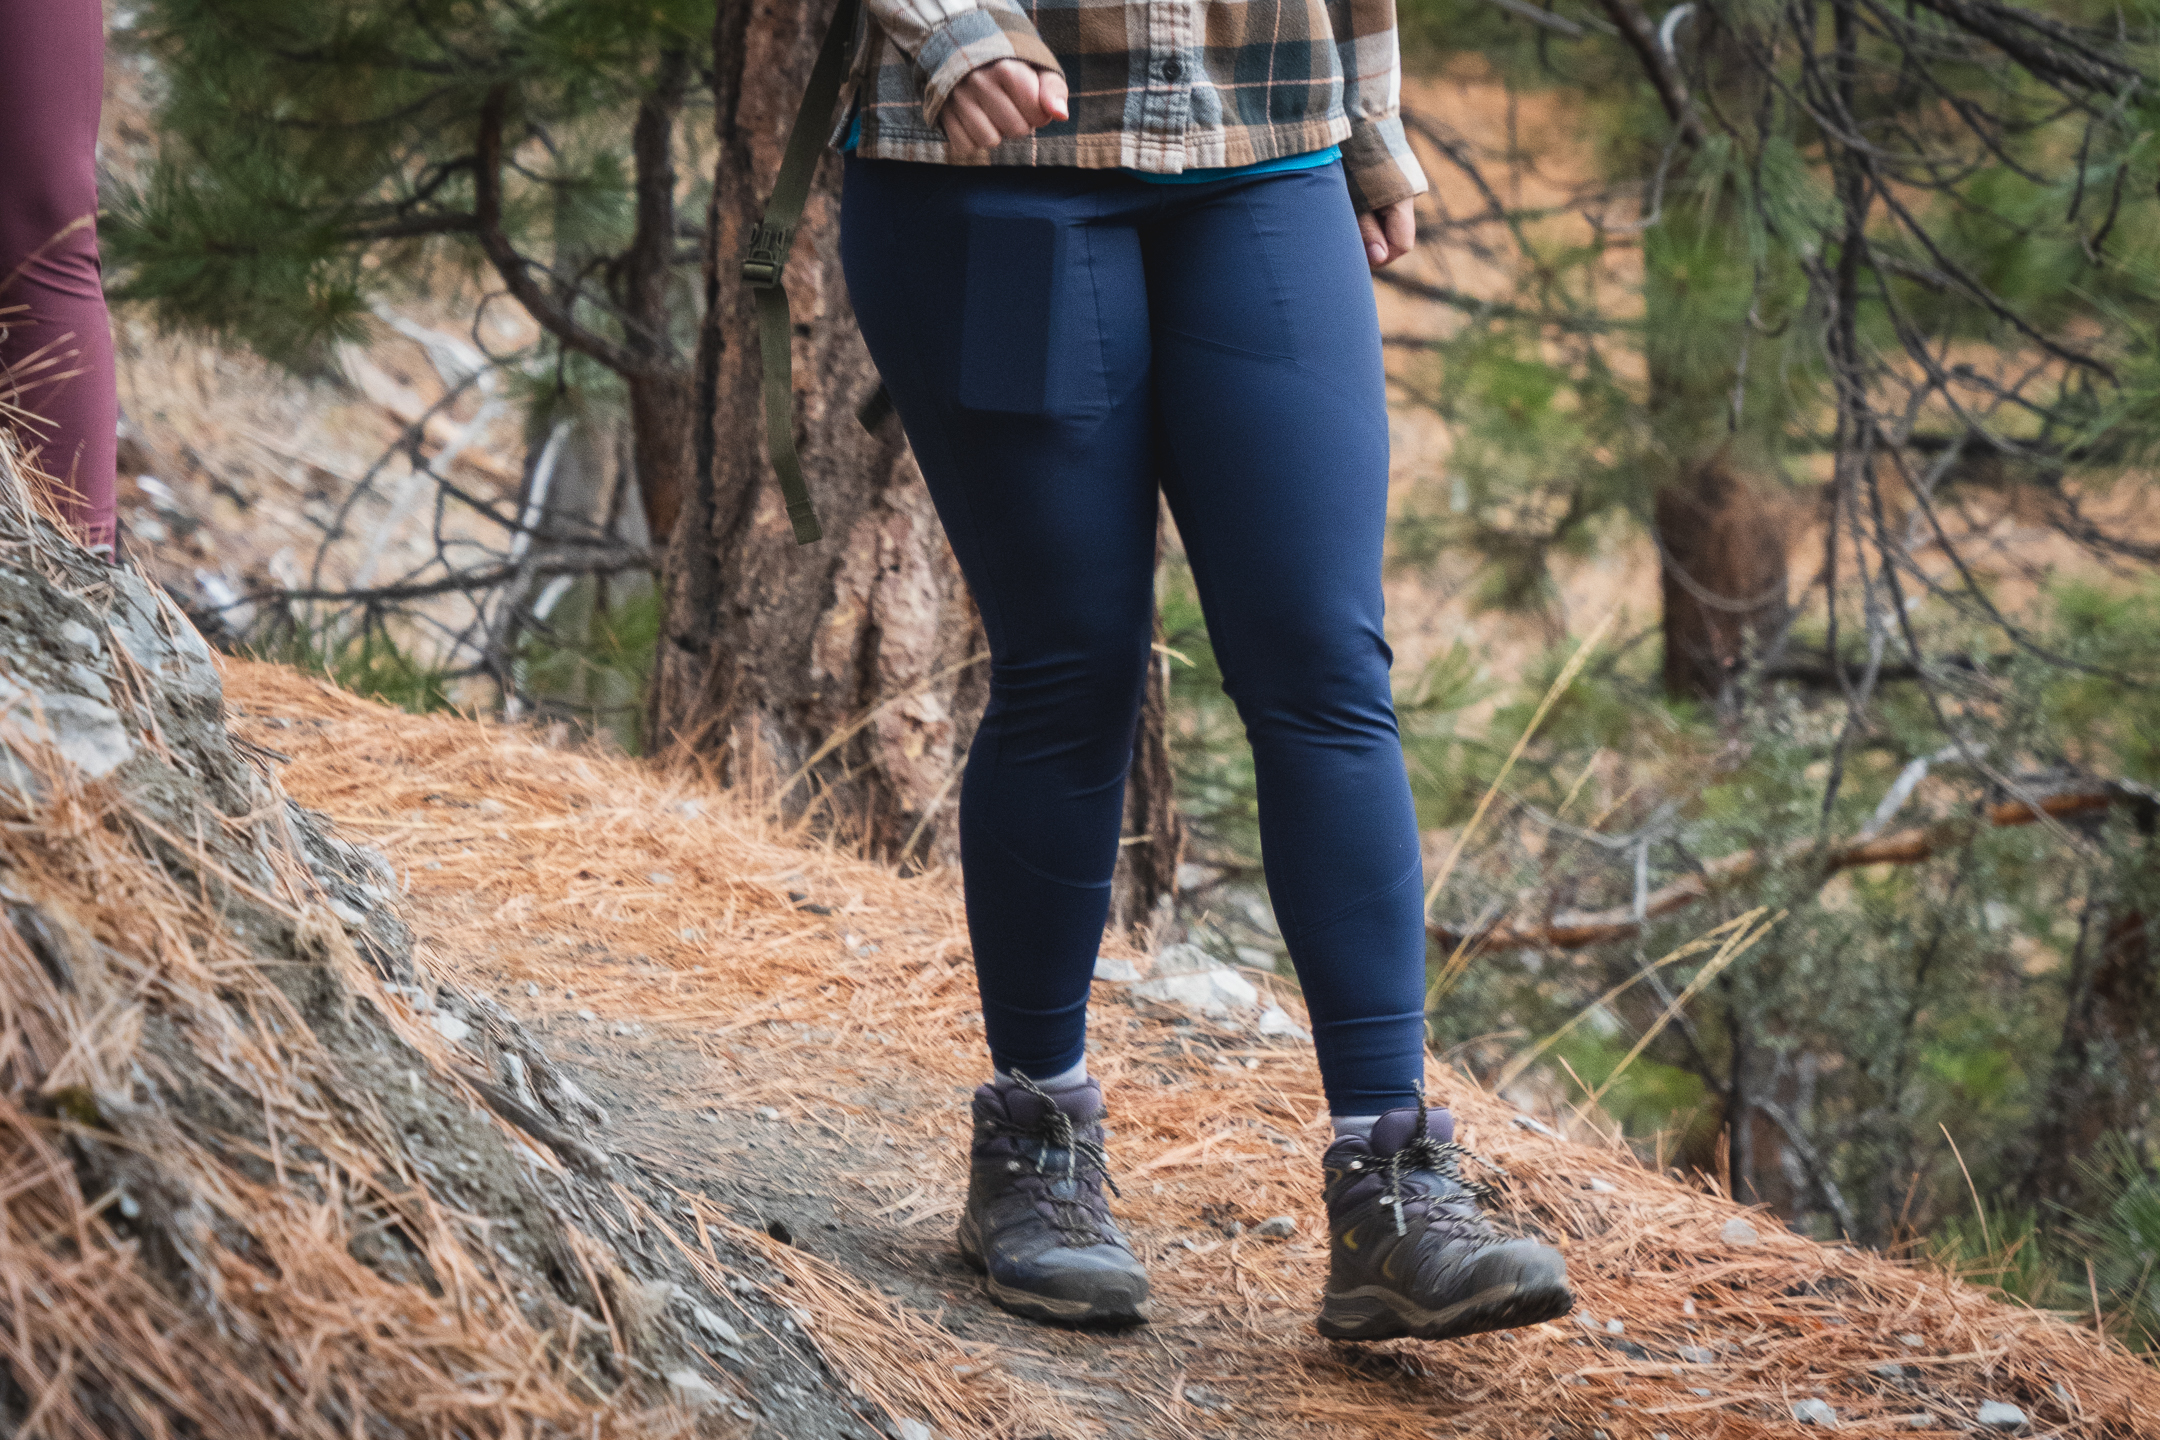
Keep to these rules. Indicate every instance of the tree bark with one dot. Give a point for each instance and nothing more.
(2106, 1069)
(1721, 550)
(858, 663)
(663, 403)
(1152, 844)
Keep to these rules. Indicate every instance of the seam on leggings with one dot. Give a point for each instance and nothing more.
(1036, 870)
(1312, 926)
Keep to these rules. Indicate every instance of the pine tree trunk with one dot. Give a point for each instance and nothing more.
(858, 662)
(2106, 1070)
(1721, 546)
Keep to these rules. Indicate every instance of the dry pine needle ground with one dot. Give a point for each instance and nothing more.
(512, 851)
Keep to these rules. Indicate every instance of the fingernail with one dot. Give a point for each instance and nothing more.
(1378, 253)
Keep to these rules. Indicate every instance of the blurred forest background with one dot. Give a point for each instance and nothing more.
(1773, 583)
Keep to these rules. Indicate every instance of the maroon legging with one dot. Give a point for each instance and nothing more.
(56, 349)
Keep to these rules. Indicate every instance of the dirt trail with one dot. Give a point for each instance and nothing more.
(785, 1034)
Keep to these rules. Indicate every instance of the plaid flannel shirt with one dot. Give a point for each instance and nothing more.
(1161, 86)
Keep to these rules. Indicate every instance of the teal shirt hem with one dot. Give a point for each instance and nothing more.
(1312, 160)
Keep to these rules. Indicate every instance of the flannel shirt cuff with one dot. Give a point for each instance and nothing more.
(971, 40)
(1379, 164)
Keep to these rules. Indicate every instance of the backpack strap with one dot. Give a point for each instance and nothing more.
(769, 246)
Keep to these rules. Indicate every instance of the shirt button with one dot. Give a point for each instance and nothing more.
(1172, 70)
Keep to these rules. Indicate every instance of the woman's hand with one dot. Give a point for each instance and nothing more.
(1001, 101)
(1389, 233)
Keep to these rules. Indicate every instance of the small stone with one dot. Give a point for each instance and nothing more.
(2000, 1415)
(1697, 1355)
(910, 1430)
(659, 877)
(1205, 1398)
(1918, 1420)
(1275, 1227)
(1578, 1380)
(1889, 1372)
(491, 808)
(587, 1015)
(1535, 1127)
(714, 1327)
(1687, 1307)
(1588, 1321)
(1737, 1231)
(1114, 970)
(693, 1391)
(1912, 1342)
(1698, 1390)
(532, 988)
(1814, 1412)
(1603, 1187)
(1275, 1023)
(767, 1114)
(451, 1028)
(690, 933)
(1614, 1327)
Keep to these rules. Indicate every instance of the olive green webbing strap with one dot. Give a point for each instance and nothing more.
(769, 246)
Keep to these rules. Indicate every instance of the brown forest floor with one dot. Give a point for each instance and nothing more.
(802, 1064)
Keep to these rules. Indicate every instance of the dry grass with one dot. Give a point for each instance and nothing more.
(185, 1166)
(524, 862)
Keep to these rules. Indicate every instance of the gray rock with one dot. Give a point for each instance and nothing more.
(1603, 1187)
(1737, 1231)
(1276, 1227)
(1187, 976)
(1205, 1398)
(713, 1327)
(1912, 1342)
(2001, 1415)
(1814, 1412)
(1697, 1355)
(693, 1391)
(1114, 970)
(767, 1114)
(1889, 1372)
(1918, 1420)
(450, 1027)
(911, 1430)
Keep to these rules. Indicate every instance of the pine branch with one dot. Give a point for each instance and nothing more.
(1907, 847)
(515, 269)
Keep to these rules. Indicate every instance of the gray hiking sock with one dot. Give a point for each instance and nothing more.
(1063, 1080)
(1358, 1125)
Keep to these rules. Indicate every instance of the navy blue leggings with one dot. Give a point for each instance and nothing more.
(1061, 344)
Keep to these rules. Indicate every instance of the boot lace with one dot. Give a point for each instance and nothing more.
(1443, 1157)
(1070, 1215)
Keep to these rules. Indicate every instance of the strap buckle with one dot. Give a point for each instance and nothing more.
(769, 245)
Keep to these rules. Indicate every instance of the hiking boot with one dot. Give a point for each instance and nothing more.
(1036, 1223)
(1410, 1253)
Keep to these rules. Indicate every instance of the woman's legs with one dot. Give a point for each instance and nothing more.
(1008, 314)
(1273, 406)
(1059, 343)
(55, 336)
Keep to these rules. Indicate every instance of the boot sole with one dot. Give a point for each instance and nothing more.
(1371, 1312)
(1054, 1308)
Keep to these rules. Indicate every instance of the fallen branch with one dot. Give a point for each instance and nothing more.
(1574, 931)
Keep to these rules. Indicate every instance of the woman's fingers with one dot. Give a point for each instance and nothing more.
(1054, 97)
(1005, 103)
(1375, 238)
(1002, 101)
(1389, 232)
(966, 127)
